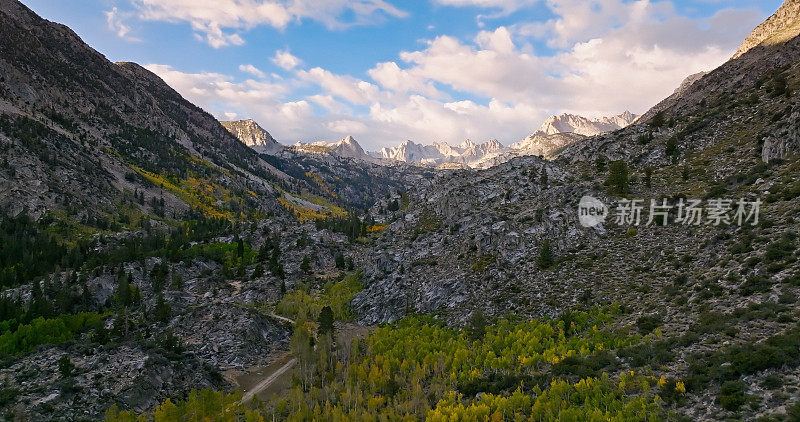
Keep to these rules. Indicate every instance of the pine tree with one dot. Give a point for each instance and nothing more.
(65, 366)
(543, 180)
(648, 177)
(240, 248)
(123, 295)
(305, 265)
(476, 325)
(545, 256)
(617, 181)
(258, 271)
(162, 311)
(326, 320)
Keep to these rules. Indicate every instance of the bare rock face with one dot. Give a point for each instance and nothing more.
(347, 147)
(570, 123)
(253, 135)
(779, 28)
(467, 153)
(545, 145)
(783, 143)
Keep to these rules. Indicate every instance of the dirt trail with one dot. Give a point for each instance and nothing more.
(261, 386)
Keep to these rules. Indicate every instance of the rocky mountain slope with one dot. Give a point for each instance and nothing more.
(81, 134)
(162, 247)
(508, 239)
(779, 28)
(138, 219)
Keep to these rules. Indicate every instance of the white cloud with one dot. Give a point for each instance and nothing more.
(506, 5)
(348, 88)
(248, 68)
(220, 22)
(613, 56)
(286, 60)
(116, 23)
(619, 55)
(224, 97)
(329, 103)
(347, 127)
(390, 76)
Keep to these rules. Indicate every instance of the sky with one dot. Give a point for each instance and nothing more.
(385, 71)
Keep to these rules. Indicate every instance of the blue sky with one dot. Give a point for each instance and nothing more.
(439, 70)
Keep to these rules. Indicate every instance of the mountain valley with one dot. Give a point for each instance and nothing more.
(151, 256)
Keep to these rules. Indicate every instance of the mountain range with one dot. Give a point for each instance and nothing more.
(555, 133)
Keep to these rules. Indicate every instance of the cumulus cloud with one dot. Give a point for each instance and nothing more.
(220, 22)
(285, 60)
(506, 5)
(348, 88)
(224, 97)
(614, 56)
(607, 57)
(390, 76)
(249, 68)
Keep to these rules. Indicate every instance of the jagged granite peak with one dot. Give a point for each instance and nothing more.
(560, 131)
(778, 28)
(347, 147)
(250, 133)
(555, 133)
(571, 123)
(438, 153)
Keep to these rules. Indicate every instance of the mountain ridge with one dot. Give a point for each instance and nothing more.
(780, 27)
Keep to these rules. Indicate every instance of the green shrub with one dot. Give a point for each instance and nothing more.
(647, 323)
(772, 382)
(483, 262)
(732, 395)
(755, 284)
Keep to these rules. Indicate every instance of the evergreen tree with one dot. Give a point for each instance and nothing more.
(39, 306)
(101, 334)
(258, 271)
(545, 260)
(339, 261)
(65, 366)
(305, 265)
(543, 180)
(671, 149)
(648, 176)
(162, 311)
(325, 320)
(123, 294)
(476, 325)
(617, 181)
(240, 248)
